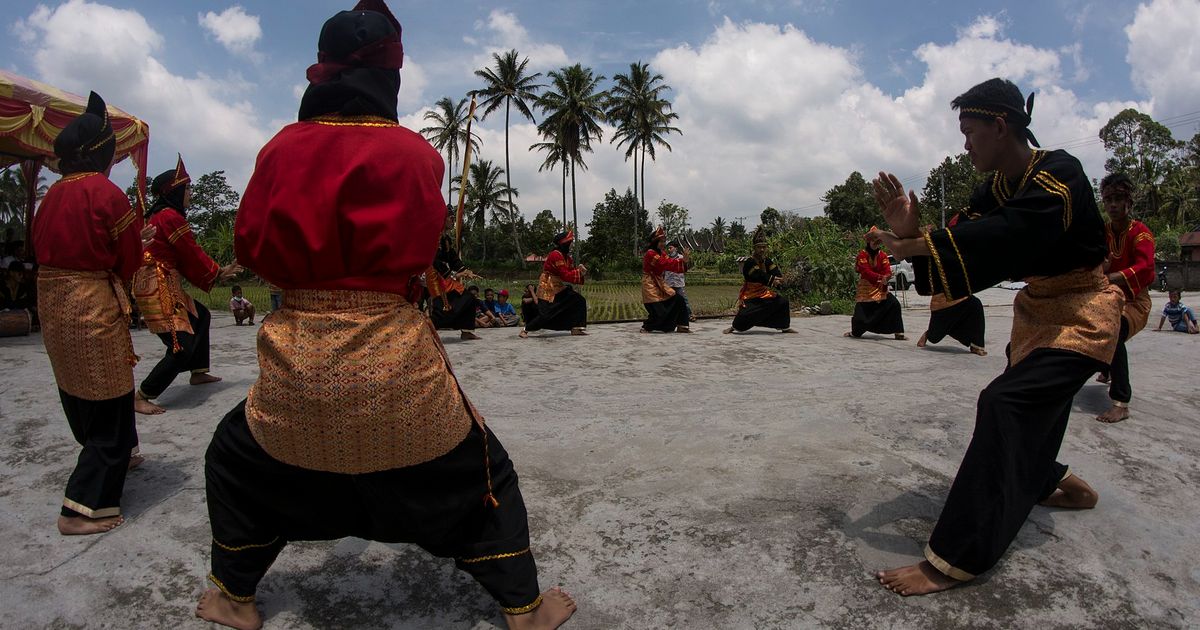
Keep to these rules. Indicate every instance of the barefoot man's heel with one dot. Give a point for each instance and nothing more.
(916, 579)
(216, 607)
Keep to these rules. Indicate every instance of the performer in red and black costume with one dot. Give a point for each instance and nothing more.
(1130, 266)
(1038, 222)
(760, 304)
(451, 306)
(876, 309)
(356, 425)
(560, 307)
(87, 241)
(667, 310)
(180, 321)
(961, 319)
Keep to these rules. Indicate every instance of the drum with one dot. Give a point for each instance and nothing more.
(15, 323)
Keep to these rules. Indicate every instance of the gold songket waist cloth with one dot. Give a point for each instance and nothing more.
(354, 382)
(755, 290)
(549, 285)
(869, 292)
(655, 289)
(85, 327)
(938, 301)
(161, 300)
(1137, 313)
(1078, 311)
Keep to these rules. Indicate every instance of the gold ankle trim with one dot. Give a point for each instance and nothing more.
(1120, 405)
(945, 567)
(498, 556)
(523, 609)
(244, 547)
(241, 600)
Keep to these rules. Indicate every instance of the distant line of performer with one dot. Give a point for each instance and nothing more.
(356, 424)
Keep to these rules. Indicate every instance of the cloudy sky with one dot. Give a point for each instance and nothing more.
(778, 100)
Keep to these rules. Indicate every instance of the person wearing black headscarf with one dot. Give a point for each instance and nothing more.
(960, 319)
(876, 309)
(452, 307)
(759, 303)
(1038, 222)
(180, 321)
(88, 244)
(356, 425)
(560, 306)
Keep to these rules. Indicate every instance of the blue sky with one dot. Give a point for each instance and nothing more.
(778, 99)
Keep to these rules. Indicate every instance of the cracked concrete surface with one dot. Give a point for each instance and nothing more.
(702, 481)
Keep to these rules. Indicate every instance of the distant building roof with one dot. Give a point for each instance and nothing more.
(534, 258)
(1190, 239)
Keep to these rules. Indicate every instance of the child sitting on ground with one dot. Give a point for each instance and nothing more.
(1182, 318)
(240, 307)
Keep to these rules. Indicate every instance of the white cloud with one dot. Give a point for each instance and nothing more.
(502, 31)
(1165, 55)
(81, 46)
(235, 29)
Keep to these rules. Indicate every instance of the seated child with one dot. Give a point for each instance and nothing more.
(506, 315)
(241, 308)
(1182, 318)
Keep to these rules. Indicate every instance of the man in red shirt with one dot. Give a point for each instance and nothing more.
(181, 322)
(665, 309)
(876, 309)
(356, 425)
(87, 241)
(1130, 266)
(560, 307)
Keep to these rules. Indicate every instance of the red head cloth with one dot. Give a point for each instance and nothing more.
(658, 234)
(386, 52)
(562, 238)
(181, 175)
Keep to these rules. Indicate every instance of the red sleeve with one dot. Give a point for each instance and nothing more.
(1140, 274)
(885, 266)
(660, 263)
(863, 266)
(126, 232)
(194, 264)
(558, 265)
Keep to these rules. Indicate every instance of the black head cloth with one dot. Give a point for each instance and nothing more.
(998, 98)
(87, 143)
(358, 65)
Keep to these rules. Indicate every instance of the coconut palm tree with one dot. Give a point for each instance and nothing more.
(643, 117)
(574, 108)
(555, 157)
(507, 83)
(486, 192)
(718, 232)
(449, 132)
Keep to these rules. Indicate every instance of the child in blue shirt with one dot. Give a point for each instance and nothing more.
(1182, 318)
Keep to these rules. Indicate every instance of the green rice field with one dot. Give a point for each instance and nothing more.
(607, 302)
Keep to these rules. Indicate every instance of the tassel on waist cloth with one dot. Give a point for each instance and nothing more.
(1078, 311)
(85, 319)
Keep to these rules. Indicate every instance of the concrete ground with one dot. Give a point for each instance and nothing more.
(702, 481)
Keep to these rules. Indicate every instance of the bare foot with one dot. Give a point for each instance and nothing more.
(847, 334)
(727, 331)
(556, 608)
(81, 525)
(977, 350)
(579, 332)
(135, 461)
(643, 330)
(790, 331)
(1114, 414)
(923, 340)
(468, 335)
(916, 579)
(523, 334)
(145, 407)
(683, 329)
(901, 337)
(1072, 493)
(203, 378)
(1101, 378)
(214, 606)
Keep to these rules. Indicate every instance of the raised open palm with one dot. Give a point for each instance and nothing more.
(899, 209)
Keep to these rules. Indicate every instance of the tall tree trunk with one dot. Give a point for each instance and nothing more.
(512, 211)
(643, 178)
(564, 187)
(636, 214)
(574, 204)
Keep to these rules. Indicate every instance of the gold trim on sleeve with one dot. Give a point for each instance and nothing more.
(521, 610)
(179, 233)
(1055, 187)
(499, 556)
(945, 567)
(121, 224)
(961, 262)
(937, 260)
